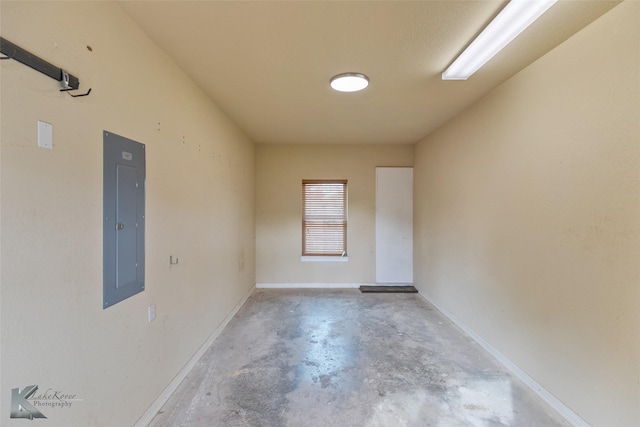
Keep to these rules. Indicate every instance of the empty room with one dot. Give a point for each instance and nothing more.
(320, 213)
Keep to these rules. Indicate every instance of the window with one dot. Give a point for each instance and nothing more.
(324, 217)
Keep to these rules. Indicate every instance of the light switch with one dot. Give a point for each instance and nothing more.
(152, 312)
(45, 135)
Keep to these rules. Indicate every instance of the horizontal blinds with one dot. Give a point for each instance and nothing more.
(324, 217)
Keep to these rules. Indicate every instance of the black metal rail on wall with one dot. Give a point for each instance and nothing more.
(15, 52)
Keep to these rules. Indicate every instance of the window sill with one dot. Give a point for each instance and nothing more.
(306, 258)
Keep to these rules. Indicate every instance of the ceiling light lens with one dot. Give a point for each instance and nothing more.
(349, 82)
(514, 18)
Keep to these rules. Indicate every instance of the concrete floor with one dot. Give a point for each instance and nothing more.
(342, 358)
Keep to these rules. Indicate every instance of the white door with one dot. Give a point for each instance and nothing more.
(394, 225)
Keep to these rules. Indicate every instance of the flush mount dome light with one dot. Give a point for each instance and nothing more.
(349, 82)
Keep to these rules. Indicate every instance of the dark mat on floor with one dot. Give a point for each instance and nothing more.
(389, 289)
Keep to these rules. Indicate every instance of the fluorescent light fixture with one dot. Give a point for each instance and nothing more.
(349, 82)
(511, 21)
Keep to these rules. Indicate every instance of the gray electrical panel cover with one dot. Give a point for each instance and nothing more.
(123, 231)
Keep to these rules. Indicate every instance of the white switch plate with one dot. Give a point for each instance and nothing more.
(45, 135)
(152, 312)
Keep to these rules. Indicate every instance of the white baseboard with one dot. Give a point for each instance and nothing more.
(311, 285)
(146, 418)
(566, 412)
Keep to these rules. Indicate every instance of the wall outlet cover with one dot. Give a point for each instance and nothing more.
(45, 135)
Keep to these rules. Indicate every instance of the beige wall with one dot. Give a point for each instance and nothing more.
(280, 170)
(200, 208)
(527, 219)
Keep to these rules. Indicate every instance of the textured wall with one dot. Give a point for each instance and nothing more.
(280, 170)
(200, 208)
(527, 219)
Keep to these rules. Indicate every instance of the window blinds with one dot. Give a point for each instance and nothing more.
(324, 217)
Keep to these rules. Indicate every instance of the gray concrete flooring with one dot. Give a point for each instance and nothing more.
(342, 358)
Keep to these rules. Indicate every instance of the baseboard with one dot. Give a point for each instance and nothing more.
(566, 412)
(146, 418)
(310, 285)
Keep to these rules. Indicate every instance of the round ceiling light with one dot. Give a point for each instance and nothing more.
(349, 82)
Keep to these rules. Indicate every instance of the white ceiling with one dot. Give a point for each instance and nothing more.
(268, 63)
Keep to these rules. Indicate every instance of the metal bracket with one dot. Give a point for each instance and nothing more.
(64, 82)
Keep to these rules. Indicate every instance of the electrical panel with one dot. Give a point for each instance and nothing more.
(123, 218)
